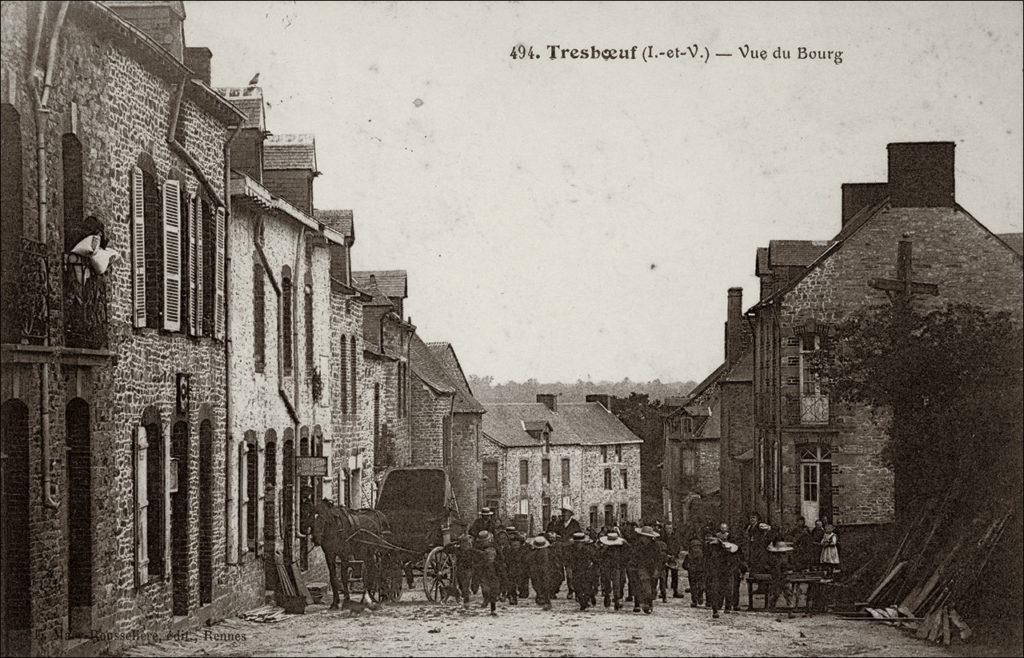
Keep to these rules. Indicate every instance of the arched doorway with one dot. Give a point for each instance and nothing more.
(180, 501)
(79, 509)
(155, 530)
(270, 506)
(205, 512)
(16, 557)
(305, 499)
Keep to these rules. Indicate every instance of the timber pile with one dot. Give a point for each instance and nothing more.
(934, 571)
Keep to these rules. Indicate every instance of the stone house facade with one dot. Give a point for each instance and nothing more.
(812, 458)
(537, 458)
(113, 485)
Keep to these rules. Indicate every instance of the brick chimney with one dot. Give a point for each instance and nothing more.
(549, 400)
(737, 332)
(858, 196)
(921, 174)
(198, 59)
(602, 399)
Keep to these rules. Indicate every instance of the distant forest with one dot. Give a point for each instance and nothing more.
(486, 390)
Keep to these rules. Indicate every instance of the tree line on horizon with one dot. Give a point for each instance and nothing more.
(486, 389)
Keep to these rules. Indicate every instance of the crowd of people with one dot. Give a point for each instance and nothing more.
(636, 563)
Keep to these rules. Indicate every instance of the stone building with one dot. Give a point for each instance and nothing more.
(596, 462)
(382, 406)
(813, 459)
(114, 372)
(462, 451)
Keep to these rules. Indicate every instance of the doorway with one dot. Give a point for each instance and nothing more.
(14, 554)
(79, 509)
(815, 484)
(179, 519)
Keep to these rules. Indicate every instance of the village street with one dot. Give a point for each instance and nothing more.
(415, 627)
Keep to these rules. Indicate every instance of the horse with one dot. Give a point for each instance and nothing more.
(333, 528)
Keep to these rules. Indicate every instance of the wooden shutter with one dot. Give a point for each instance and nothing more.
(138, 251)
(199, 261)
(166, 439)
(172, 255)
(193, 226)
(261, 488)
(218, 306)
(141, 508)
(243, 498)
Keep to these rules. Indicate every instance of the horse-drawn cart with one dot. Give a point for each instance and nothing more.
(404, 535)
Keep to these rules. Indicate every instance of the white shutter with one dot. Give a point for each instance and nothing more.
(243, 498)
(141, 508)
(200, 264)
(193, 269)
(138, 251)
(218, 306)
(166, 438)
(172, 255)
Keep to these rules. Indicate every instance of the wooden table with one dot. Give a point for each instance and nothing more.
(807, 584)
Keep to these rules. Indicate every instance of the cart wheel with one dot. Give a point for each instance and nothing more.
(438, 574)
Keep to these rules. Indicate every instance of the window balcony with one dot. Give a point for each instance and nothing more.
(806, 410)
(85, 304)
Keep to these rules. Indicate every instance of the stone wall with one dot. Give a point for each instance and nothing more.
(465, 470)
(123, 111)
(428, 413)
(737, 408)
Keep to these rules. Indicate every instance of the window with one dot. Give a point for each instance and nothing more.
(609, 516)
(308, 319)
(524, 506)
(604, 454)
(593, 516)
(688, 463)
(545, 470)
(193, 250)
(212, 250)
(151, 462)
(792, 341)
(688, 425)
(12, 212)
(808, 380)
(490, 479)
(259, 315)
(607, 478)
(618, 453)
(565, 472)
(623, 513)
(286, 321)
(524, 472)
(545, 511)
(343, 367)
(446, 440)
(152, 251)
(624, 476)
(74, 206)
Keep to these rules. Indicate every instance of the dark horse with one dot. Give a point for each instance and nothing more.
(336, 530)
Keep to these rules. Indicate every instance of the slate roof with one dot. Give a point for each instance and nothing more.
(394, 283)
(444, 354)
(575, 423)
(340, 220)
(426, 367)
(795, 253)
(289, 152)
(372, 288)
(1014, 240)
(248, 101)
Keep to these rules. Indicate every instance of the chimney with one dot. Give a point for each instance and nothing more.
(735, 326)
(921, 174)
(602, 399)
(198, 59)
(160, 20)
(858, 196)
(549, 400)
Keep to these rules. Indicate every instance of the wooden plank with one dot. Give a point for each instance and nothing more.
(886, 581)
(945, 626)
(961, 625)
(300, 584)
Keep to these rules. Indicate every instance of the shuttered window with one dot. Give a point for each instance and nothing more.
(344, 374)
(192, 259)
(259, 315)
(352, 376)
(141, 505)
(308, 321)
(286, 321)
(172, 255)
(198, 266)
(565, 472)
(138, 250)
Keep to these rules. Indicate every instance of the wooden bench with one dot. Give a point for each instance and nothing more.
(808, 585)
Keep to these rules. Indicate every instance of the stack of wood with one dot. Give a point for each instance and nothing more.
(934, 570)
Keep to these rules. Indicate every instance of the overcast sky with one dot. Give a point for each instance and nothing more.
(583, 219)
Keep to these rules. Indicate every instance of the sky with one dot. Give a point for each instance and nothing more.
(582, 219)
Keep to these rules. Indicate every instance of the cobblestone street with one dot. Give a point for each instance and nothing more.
(415, 627)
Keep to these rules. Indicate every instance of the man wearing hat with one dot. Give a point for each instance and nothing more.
(483, 522)
(612, 558)
(508, 559)
(485, 559)
(694, 564)
(581, 565)
(462, 550)
(540, 570)
(648, 562)
(557, 575)
(719, 569)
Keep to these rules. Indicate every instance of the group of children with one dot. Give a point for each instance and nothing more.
(634, 563)
(503, 564)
